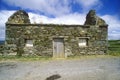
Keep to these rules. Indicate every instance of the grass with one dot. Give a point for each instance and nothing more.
(114, 53)
(23, 58)
(39, 58)
(91, 56)
(114, 47)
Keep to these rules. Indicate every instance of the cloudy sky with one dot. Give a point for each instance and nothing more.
(63, 12)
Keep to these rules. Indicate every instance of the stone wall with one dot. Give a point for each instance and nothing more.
(43, 34)
(19, 30)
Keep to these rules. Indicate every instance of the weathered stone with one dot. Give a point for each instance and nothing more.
(19, 17)
(93, 19)
(42, 35)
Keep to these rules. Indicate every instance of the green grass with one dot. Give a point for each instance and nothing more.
(24, 58)
(114, 47)
(39, 58)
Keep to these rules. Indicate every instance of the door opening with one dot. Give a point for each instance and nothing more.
(58, 48)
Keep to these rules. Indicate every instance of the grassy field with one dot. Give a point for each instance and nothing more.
(114, 47)
(39, 58)
(23, 58)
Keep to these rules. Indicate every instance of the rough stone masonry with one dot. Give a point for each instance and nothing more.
(55, 40)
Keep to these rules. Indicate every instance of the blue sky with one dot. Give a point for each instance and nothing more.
(63, 12)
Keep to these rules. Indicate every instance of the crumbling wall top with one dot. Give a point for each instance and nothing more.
(19, 17)
(93, 19)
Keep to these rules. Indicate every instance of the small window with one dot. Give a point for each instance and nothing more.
(29, 43)
(82, 42)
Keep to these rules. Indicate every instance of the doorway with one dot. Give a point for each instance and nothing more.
(58, 48)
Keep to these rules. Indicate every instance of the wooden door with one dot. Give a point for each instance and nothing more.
(58, 48)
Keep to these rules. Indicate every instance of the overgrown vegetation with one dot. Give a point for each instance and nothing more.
(114, 47)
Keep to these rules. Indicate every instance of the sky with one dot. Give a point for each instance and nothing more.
(63, 12)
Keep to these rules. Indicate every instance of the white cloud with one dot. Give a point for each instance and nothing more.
(114, 36)
(48, 7)
(114, 26)
(88, 4)
(73, 18)
(54, 7)
(65, 19)
(4, 14)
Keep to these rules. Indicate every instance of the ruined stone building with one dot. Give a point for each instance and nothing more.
(55, 40)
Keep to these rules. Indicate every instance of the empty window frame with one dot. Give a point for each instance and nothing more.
(83, 42)
(29, 43)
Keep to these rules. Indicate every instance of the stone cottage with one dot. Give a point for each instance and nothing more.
(55, 40)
